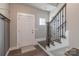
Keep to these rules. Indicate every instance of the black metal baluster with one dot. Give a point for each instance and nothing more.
(65, 18)
(53, 33)
(48, 35)
(62, 23)
(54, 29)
(52, 40)
(59, 26)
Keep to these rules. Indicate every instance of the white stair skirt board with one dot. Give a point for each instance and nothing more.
(27, 49)
(40, 39)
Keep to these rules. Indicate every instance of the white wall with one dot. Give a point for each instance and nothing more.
(1, 37)
(4, 9)
(53, 12)
(14, 9)
(73, 24)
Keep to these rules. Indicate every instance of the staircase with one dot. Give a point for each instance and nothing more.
(57, 40)
(56, 29)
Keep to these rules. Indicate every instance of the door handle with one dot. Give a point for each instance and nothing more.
(32, 31)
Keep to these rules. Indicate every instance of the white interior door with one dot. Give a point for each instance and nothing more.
(25, 30)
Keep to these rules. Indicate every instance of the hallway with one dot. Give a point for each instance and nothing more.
(41, 29)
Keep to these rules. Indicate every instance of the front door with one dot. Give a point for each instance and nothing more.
(25, 30)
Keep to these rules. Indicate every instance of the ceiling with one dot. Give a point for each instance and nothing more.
(44, 6)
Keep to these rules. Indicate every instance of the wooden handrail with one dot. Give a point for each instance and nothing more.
(58, 12)
(4, 18)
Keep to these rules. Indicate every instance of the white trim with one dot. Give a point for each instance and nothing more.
(19, 13)
(40, 39)
(12, 48)
(7, 52)
(27, 49)
(50, 54)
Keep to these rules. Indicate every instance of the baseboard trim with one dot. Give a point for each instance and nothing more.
(12, 48)
(7, 52)
(27, 48)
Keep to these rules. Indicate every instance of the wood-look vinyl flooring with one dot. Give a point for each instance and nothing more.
(37, 52)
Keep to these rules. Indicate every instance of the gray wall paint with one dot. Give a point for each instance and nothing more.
(1, 37)
(4, 9)
(73, 24)
(40, 30)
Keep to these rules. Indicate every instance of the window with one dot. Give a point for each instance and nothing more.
(42, 21)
